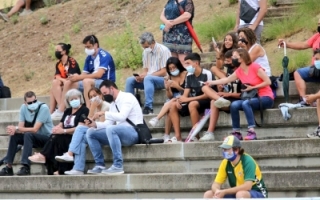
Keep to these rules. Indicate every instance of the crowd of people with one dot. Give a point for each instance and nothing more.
(92, 110)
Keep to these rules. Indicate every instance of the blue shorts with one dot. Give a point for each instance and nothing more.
(304, 73)
(97, 83)
(253, 194)
(174, 95)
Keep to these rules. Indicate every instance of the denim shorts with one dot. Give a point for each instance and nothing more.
(97, 83)
(174, 95)
(253, 194)
(304, 73)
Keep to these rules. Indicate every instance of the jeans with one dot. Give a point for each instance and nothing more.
(150, 84)
(248, 108)
(29, 141)
(120, 135)
(77, 139)
(97, 138)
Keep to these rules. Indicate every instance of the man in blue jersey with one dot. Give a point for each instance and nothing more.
(98, 66)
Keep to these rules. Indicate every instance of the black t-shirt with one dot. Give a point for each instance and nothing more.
(72, 68)
(70, 120)
(234, 87)
(192, 82)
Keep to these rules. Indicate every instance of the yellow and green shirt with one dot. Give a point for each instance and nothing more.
(245, 170)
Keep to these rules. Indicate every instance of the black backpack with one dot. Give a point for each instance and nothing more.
(5, 92)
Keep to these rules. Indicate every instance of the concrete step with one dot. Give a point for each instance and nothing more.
(47, 186)
(280, 11)
(208, 57)
(270, 20)
(288, 2)
(15, 103)
(296, 154)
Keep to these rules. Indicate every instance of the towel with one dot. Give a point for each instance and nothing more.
(284, 108)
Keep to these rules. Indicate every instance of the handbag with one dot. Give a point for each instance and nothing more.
(247, 13)
(143, 131)
(247, 95)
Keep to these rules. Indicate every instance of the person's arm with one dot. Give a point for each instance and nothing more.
(182, 18)
(215, 186)
(266, 80)
(162, 72)
(294, 45)
(223, 81)
(219, 64)
(237, 17)
(256, 52)
(263, 4)
(163, 17)
(33, 129)
(96, 75)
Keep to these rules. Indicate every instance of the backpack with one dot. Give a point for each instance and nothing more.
(5, 92)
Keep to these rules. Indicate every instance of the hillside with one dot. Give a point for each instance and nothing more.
(25, 62)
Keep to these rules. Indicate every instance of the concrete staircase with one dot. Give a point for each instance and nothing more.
(281, 9)
(288, 159)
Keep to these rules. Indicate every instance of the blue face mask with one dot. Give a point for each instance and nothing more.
(75, 103)
(175, 72)
(317, 64)
(190, 69)
(33, 106)
(229, 156)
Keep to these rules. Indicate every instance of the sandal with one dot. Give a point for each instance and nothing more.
(173, 140)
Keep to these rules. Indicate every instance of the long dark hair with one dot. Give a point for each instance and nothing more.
(223, 49)
(176, 62)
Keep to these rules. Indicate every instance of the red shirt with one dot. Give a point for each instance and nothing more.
(314, 43)
(253, 79)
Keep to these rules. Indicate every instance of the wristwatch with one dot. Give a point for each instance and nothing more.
(17, 128)
(64, 131)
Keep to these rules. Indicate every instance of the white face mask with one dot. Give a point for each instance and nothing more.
(89, 52)
(148, 50)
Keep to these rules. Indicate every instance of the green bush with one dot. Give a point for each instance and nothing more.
(233, 2)
(124, 48)
(76, 28)
(297, 59)
(216, 26)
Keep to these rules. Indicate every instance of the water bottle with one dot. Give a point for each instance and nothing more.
(162, 26)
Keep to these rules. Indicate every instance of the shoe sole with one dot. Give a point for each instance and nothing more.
(222, 104)
(61, 160)
(37, 161)
(93, 172)
(74, 174)
(114, 173)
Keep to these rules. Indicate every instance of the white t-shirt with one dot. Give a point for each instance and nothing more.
(255, 5)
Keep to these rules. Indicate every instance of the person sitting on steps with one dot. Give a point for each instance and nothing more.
(301, 75)
(155, 56)
(20, 3)
(174, 85)
(230, 92)
(64, 67)
(252, 77)
(33, 131)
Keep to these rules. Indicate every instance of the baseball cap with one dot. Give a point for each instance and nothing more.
(229, 142)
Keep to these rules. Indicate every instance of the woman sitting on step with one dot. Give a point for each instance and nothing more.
(253, 77)
(62, 133)
(248, 41)
(174, 85)
(230, 42)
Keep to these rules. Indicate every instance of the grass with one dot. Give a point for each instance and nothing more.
(125, 48)
(216, 26)
(49, 3)
(76, 28)
(304, 18)
(233, 2)
(44, 20)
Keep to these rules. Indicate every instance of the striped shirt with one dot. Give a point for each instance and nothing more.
(156, 59)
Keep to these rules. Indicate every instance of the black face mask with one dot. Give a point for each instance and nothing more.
(108, 98)
(58, 55)
(243, 40)
(318, 29)
(229, 66)
(235, 62)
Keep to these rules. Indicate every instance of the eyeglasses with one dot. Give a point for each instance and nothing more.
(29, 103)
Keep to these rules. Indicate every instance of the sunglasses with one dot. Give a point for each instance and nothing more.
(29, 103)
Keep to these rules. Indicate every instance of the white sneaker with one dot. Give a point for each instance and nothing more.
(166, 138)
(194, 139)
(25, 12)
(153, 122)
(4, 16)
(64, 158)
(222, 103)
(56, 115)
(73, 172)
(207, 136)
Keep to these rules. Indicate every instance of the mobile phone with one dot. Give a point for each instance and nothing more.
(134, 74)
(201, 82)
(85, 117)
(214, 42)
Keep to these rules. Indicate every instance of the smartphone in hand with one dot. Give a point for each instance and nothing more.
(214, 42)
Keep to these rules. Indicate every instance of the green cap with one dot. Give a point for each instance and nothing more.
(229, 142)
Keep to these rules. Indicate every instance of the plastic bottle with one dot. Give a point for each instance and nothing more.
(162, 26)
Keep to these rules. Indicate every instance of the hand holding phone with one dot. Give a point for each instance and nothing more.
(214, 43)
(86, 118)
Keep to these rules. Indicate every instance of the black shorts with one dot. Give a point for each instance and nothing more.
(203, 104)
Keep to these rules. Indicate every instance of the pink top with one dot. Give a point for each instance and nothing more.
(314, 43)
(253, 79)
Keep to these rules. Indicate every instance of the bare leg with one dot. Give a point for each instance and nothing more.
(87, 85)
(66, 87)
(181, 58)
(243, 194)
(300, 84)
(28, 4)
(175, 119)
(55, 94)
(167, 126)
(16, 8)
(218, 72)
(214, 115)
(165, 109)
(213, 95)
(208, 194)
(194, 114)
